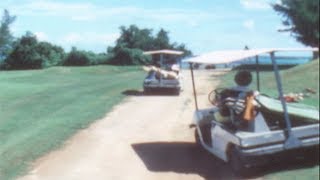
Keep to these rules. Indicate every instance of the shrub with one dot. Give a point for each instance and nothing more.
(76, 58)
(28, 53)
(85, 58)
(127, 56)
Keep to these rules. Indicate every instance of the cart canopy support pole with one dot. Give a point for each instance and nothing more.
(194, 87)
(257, 73)
(161, 66)
(292, 141)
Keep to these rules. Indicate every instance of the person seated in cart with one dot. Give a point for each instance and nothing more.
(237, 101)
(170, 73)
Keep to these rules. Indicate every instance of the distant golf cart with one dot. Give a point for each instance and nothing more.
(248, 131)
(165, 72)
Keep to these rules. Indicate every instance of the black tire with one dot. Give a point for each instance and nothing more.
(146, 90)
(237, 163)
(197, 138)
(177, 91)
(212, 97)
(312, 155)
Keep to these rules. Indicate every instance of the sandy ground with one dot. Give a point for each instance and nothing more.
(145, 137)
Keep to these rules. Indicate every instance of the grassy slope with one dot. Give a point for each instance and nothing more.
(295, 80)
(40, 109)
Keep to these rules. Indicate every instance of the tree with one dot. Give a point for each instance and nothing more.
(133, 41)
(24, 55)
(162, 40)
(6, 37)
(84, 58)
(133, 37)
(51, 55)
(28, 53)
(129, 56)
(182, 47)
(302, 18)
(76, 58)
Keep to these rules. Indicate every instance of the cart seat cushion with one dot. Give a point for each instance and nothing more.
(294, 109)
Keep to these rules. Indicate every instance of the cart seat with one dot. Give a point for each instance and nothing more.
(295, 110)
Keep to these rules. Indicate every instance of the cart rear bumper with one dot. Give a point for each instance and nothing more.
(275, 148)
(259, 158)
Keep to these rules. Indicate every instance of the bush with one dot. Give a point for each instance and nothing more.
(51, 55)
(28, 53)
(84, 58)
(76, 58)
(127, 56)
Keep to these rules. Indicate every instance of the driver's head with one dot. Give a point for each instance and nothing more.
(243, 78)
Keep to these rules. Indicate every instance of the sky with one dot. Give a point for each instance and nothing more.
(202, 25)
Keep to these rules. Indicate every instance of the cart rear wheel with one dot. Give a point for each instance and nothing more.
(177, 91)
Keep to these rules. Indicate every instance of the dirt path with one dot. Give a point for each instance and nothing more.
(146, 137)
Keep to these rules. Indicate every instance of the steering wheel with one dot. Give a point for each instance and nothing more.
(214, 95)
(211, 97)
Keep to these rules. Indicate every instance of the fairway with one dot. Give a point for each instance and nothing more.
(42, 108)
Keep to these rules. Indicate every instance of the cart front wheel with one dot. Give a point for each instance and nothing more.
(237, 162)
(146, 90)
(197, 138)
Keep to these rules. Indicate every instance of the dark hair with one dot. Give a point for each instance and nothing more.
(243, 78)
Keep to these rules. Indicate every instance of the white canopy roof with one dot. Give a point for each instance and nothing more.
(164, 51)
(228, 56)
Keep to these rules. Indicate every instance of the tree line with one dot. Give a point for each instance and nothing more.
(27, 52)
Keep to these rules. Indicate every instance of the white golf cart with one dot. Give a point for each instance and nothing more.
(275, 129)
(166, 64)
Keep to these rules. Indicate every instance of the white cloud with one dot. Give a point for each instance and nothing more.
(41, 36)
(104, 38)
(85, 17)
(15, 28)
(89, 38)
(87, 41)
(249, 24)
(192, 23)
(72, 38)
(255, 4)
(88, 12)
(51, 8)
(74, 11)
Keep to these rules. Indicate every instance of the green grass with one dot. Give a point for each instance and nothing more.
(294, 80)
(39, 109)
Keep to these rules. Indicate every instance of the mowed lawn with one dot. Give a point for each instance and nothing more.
(39, 109)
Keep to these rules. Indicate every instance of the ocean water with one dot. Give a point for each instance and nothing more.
(283, 60)
(286, 60)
